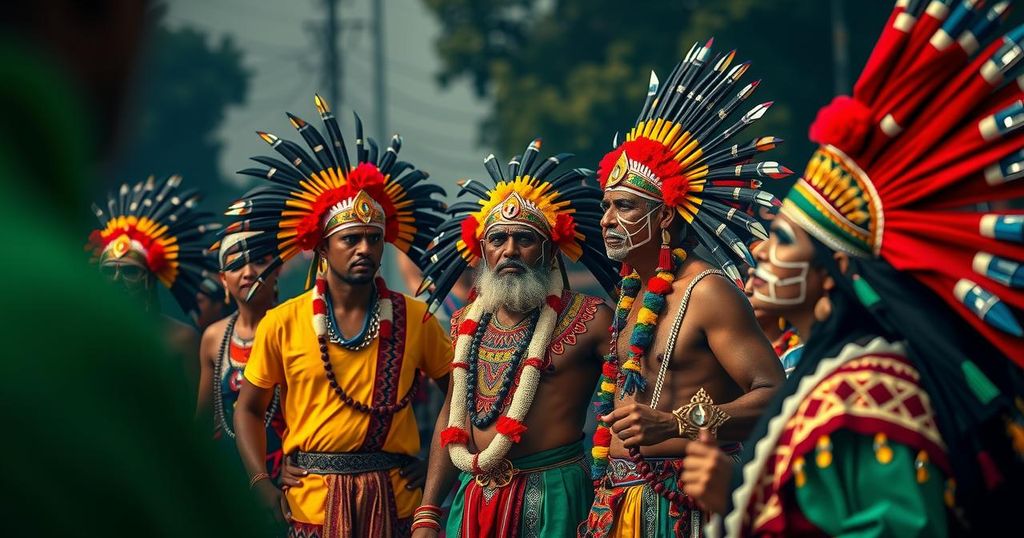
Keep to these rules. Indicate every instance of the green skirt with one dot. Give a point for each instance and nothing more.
(549, 497)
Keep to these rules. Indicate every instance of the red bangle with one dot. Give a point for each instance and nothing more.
(427, 524)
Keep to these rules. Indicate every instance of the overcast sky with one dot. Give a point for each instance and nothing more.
(282, 50)
(279, 39)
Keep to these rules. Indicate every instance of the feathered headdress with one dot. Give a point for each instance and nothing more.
(915, 168)
(676, 155)
(153, 226)
(559, 206)
(312, 197)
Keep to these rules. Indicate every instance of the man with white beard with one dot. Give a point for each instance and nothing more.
(524, 342)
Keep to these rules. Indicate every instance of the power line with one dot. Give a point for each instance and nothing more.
(422, 105)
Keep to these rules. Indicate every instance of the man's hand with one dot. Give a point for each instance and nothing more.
(639, 425)
(291, 475)
(415, 473)
(273, 500)
(423, 532)
(706, 473)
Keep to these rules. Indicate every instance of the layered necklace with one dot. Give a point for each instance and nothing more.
(787, 340)
(499, 346)
(218, 395)
(381, 309)
(366, 335)
(510, 426)
(627, 374)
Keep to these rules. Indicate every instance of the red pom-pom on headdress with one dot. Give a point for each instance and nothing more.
(156, 256)
(656, 156)
(469, 226)
(564, 230)
(844, 123)
(365, 177)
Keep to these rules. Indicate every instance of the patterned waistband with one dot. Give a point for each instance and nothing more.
(349, 462)
(503, 474)
(623, 472)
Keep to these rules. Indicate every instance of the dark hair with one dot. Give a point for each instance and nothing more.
(942, 348)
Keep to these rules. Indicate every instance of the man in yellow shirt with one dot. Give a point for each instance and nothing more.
(346, 354)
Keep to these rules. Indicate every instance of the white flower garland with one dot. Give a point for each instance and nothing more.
(522, 398)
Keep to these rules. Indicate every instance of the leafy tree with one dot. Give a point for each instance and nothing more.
(576, 71)
(186, 84)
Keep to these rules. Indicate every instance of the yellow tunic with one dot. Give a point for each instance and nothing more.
(286, 353)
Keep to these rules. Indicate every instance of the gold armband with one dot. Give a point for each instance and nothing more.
(701, 412)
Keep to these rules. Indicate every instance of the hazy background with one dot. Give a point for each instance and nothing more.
(463, 78)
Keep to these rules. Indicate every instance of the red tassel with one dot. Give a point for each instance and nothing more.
(610, 370)
(665, 258)
(511, 428)
(602, 436)
(468, 327)
(625, 271)
(453, 434)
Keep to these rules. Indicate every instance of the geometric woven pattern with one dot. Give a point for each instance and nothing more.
(870, 394)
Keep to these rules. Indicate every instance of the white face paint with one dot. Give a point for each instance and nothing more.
(646, 219)
(775, 282)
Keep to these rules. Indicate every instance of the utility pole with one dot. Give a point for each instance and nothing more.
(380, 74)
(332, 57)
(840, 50)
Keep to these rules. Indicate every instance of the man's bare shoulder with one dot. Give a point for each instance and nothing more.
(717, 300)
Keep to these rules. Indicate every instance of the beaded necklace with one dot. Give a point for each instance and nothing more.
(786, 341)
(510, 426)
(628, 373)
(320, 327)
(218, 395)
(366, 335)
(487, 418)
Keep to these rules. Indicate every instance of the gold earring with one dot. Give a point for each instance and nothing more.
(823, 308)
(227, 298)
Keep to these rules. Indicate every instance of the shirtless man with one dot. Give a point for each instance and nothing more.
(524, 343)
(674, 371)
